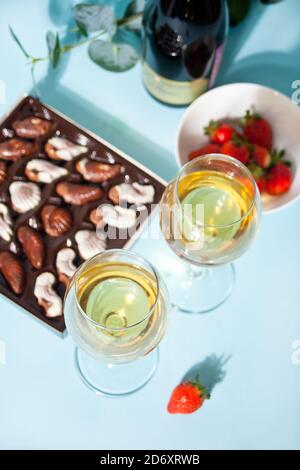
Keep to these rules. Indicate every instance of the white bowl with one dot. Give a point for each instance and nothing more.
(232, 101)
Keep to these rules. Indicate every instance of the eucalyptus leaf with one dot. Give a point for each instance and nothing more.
(53, 43)
(17, 40)
(115, 57)
(95, 17)
(82, 29)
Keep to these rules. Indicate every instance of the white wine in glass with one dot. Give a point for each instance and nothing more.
(116, 310)
(209, 216)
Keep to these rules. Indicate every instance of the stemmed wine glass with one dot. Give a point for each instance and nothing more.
(209, 215)
(116, 309)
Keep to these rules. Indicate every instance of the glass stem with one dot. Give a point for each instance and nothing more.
(196, 272)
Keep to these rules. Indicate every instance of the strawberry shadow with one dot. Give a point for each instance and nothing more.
(209, 372)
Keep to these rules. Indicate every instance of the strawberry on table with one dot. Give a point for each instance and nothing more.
(205, 150)
(238, 149)
(257, 130)
(279, 179)
(261, 156)
(219, 133)
(187, 397)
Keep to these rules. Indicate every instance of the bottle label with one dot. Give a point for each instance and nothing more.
(172, 91)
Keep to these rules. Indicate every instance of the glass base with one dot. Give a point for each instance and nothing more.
(200, 289)
(114, 380)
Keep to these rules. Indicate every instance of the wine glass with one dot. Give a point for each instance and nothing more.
(116, 309)
(209, 215)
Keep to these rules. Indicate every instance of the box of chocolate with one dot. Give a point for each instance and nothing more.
(58, 185)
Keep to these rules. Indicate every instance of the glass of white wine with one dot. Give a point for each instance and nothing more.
(209, 215)
(116, 309)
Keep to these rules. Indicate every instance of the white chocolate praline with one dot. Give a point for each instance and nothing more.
(65, 149)
(45, 172)
(135, 193)
(64, 262)
(116, 216)
(5, 223)
(24, 196)
(89, 243)
(45, 294)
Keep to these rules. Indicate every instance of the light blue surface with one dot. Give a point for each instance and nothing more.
(43, 404)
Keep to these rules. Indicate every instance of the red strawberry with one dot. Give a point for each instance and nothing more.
(261, 156)
(257, 130)
(219, 132)
(279, 179)
(259, 176)
(236, 148)
(187, 398)
(207, 149)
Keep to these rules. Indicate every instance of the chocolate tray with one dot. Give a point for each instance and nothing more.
(13, 202)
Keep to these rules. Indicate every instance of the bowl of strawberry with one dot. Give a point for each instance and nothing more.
(254, 124)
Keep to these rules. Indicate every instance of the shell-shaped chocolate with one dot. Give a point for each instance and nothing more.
(97, 172)
(3, 171)
(89, 243)
(32, 127)
(33, 246)
(56, 220)
(134, 193)
(5, 223)
(59, 148)
(65, 264)
(13, 149)
(46, 296)
(78, 194)
(115, 216)
(42, 171)
(12, 270)
(24, 196)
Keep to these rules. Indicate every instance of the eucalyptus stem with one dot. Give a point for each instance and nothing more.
(65, 48)
(69, 47)
(129, 19)
(59, 50)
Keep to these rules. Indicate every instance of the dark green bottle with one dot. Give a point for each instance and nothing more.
(183, 42)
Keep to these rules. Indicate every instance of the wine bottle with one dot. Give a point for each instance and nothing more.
(268, 2)
(183, 43)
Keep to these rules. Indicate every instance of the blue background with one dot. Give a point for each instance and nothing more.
(246, 345)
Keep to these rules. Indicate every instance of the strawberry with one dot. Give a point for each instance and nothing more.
(205, 150)
(219, 133)
(257, 130)
(259, 176)
(261, 156)
(279, 179)
(187, 397)
(236, 148)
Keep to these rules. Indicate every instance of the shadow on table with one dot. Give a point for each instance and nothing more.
(273, 69)
(209, 372)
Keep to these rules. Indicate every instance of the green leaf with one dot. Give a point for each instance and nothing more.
(115, 57)
(238, 10)
(17, 40)
(95, 17)
(82, 29)
(53, 48)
